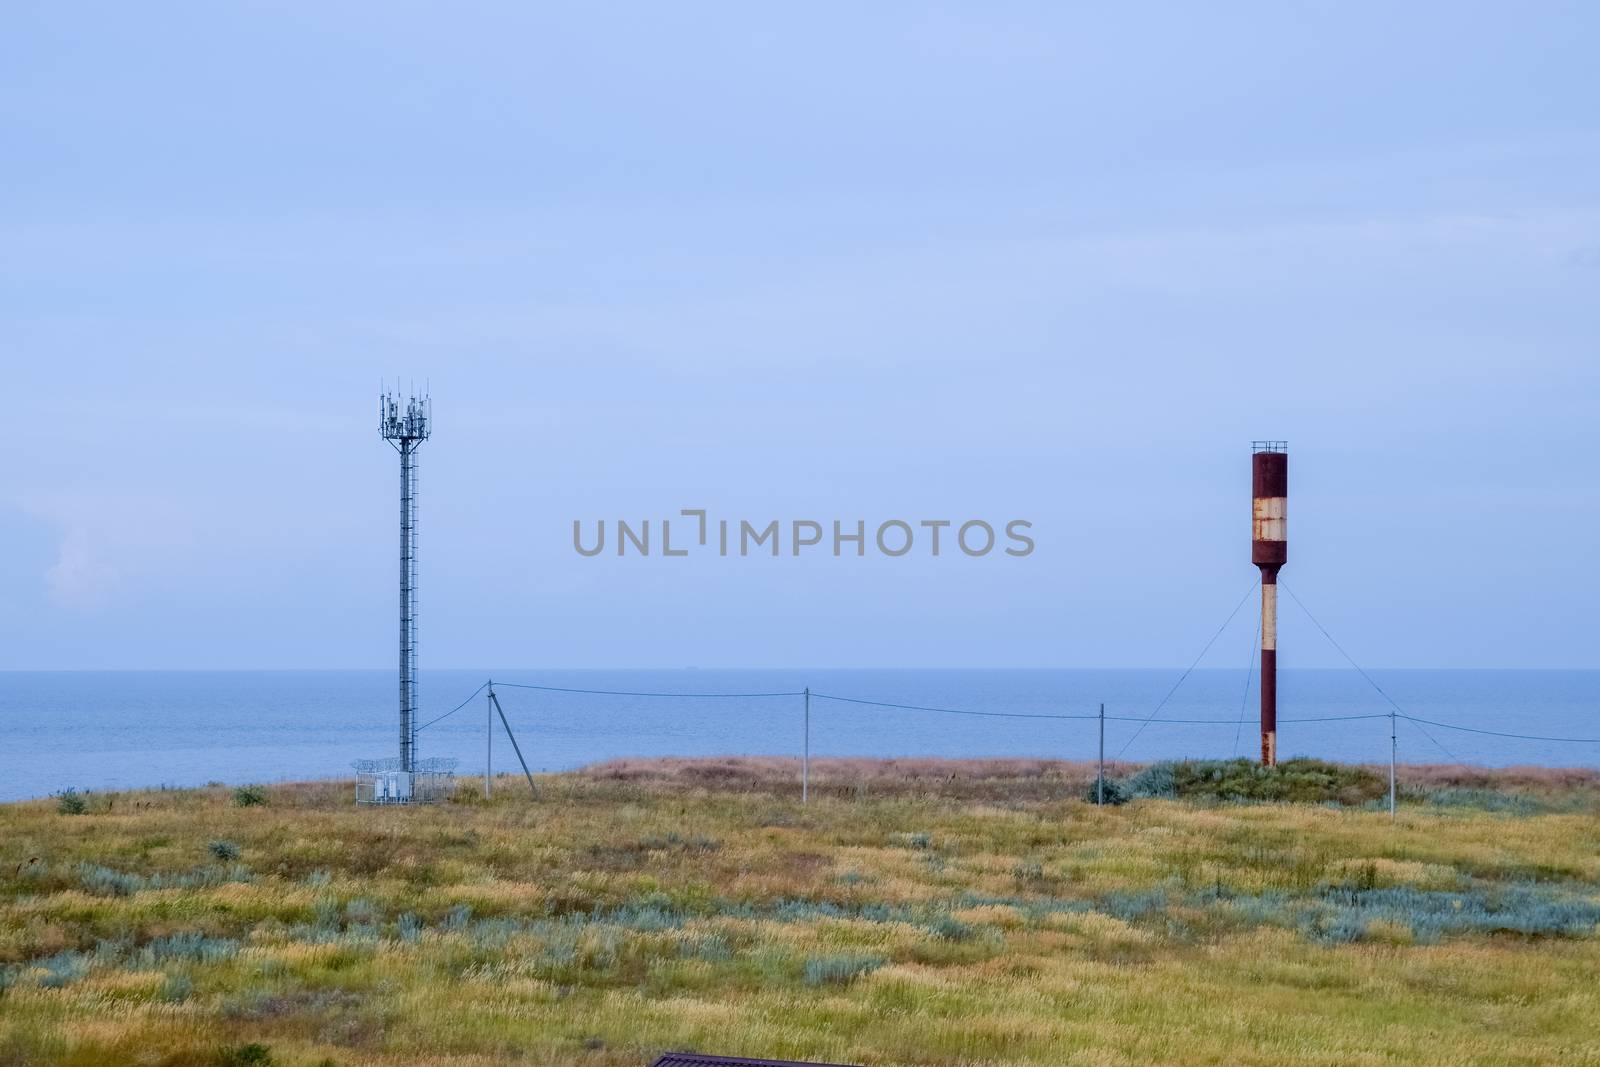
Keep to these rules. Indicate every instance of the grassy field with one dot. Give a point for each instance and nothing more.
(918, 912)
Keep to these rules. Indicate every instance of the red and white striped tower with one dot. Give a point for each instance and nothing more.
(1269, 550)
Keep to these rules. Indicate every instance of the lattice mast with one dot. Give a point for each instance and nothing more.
(405, 422)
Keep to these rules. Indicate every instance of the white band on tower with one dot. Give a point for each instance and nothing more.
(1271, 521)
(1269, 616)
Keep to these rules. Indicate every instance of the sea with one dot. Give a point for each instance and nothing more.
(103, 730)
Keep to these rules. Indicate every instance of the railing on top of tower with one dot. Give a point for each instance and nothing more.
(1268, 446)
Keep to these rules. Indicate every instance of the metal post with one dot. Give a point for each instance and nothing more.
(805, 755)
(1100, 782)
(514, 746)
(488, 743)
(408, 615)
(1394, 746)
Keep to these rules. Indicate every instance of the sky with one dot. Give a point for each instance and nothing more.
(1057, 263)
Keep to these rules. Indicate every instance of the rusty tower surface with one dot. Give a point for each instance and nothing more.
(1269, 550)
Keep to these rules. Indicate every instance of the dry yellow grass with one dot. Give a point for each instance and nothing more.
(946, 915)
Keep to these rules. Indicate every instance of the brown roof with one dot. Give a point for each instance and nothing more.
(695, 1059)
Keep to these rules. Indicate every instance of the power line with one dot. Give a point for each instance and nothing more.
(1401, 711)
(1500, 733)
(1109, 718)
(951, 711)
(1180, 722)
(1234, 722)
(1340, 718)
(876, 704)
(621, 693)
(1143, 721)
(1436, 742)
(1244, 698)
(453, 710)
(1190, 671)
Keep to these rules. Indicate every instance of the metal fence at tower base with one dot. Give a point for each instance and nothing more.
(386, 781)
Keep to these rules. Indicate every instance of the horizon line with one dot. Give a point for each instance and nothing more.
(699, 667)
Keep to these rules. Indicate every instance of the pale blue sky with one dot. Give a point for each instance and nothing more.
(888, 260)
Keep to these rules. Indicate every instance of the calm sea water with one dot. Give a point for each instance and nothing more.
(104, 730)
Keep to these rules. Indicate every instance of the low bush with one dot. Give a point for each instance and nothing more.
(176, 988)
(408, 927)
(223, 850)
(109, 882)
(62, 969)
(840, 970)
(1486, 800)
(1522, 909)
(949, 928)
(1159, 780)
(711, 946)
(1132, 905)
(1338, 928)
(675, 842)
(189, 946)
(1112, 792)
(249, 796)
(362, 911)
(1028, 872)
(1300, 780)
(71, 802)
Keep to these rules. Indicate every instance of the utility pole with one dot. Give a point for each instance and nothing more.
(805, 755)
(1100, 782)
(1394, 746)
(514, 746)
(488, 743)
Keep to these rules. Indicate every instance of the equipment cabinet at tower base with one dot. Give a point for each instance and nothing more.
(384, 781)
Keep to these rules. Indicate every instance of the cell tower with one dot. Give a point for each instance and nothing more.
(405, 422)
(406, 428)
(1269, 550)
